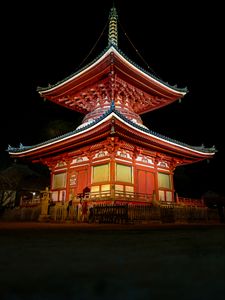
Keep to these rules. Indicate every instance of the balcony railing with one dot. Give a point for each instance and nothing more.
(119, 196)
(190, 202)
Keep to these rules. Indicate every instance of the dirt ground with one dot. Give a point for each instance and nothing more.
(129, 262)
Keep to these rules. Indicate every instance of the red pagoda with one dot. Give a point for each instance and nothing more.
(112, 155)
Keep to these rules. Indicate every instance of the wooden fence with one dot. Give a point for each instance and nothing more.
(148, 213)
(117, 214)
(123, 213)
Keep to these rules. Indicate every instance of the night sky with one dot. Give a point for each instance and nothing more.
(43, 42)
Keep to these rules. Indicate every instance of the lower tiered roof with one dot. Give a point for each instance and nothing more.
(113, 123)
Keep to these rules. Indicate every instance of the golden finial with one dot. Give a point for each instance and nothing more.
(113, 34)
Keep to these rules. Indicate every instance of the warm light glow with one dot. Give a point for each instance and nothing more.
(100, 173)
(59, 181)
(168, 196)
(124, 173)
(55, 196)
(95, 188)
(105, 187)
(129, 189)
(119, 187)
(164, 180)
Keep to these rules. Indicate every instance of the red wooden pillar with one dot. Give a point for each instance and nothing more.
(67, 181)
(89, 172)
(172, 184)
(156, 180)
(112, 179)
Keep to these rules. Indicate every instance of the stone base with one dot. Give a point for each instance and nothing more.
(44, 218)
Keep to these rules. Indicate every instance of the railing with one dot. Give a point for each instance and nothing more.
(133, 197)
(35, 201)
(95, 196)
(190, 202)
(118, 196)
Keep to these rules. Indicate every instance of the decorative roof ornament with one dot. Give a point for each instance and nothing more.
(112, 106)
(113, 33)
(10, 148)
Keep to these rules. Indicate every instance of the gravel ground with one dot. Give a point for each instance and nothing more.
(64, 261)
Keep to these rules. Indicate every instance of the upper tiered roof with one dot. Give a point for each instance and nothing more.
(112, 76)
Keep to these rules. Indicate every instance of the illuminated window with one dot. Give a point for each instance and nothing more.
(95, 188)
(164, 180)
(129, 189)
(59, 181)
(119, 187)
(55, 196)
(62, 196)
(123, 173)
(105, 187)
(161, 196)
(100, 173)
(168, 196)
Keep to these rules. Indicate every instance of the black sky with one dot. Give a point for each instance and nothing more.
(44, 41)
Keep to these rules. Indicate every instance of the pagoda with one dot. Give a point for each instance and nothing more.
(112, 155)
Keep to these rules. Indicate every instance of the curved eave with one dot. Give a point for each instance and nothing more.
(184, 153)
(159, 143)
(122, 62)
(100, 129)
(145, 81)
(64, 144)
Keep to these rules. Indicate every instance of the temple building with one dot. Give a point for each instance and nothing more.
(112, 155)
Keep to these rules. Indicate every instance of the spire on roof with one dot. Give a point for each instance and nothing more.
(113, 34)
